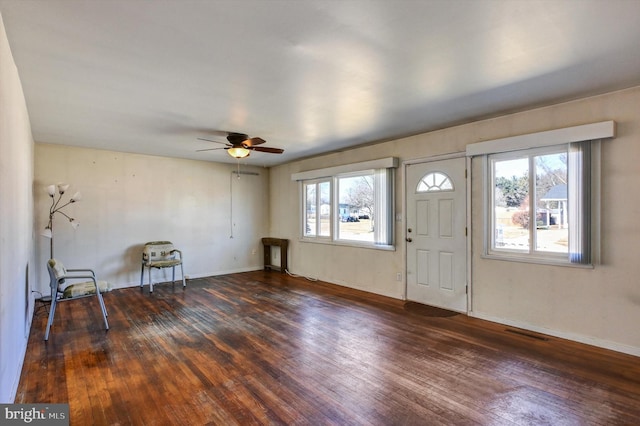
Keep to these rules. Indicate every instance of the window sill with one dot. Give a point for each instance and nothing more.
(353, 244)
(535, 260)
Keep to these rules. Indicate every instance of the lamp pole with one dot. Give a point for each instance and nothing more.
(55, 208)
(51, 240)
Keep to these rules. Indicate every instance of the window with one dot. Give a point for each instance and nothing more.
(355, 206)
(542, 194)
(317, 202)
(540, 203)
(350, 205)
(435, 181)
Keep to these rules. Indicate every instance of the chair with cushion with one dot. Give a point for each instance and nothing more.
(160, 255)
(69, 284)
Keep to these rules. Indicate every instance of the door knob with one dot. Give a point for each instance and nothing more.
(409, 240)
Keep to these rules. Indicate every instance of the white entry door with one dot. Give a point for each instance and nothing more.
(436, 235)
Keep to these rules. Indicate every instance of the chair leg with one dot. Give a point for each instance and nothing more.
(141, 274)
(103, 307)
(184, 283)
(53, 308)
(52, 312)
(150, 282)
(173, 275)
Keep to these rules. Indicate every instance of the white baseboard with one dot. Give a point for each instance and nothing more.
(225, 272)
(601, 343)
(348, 284)
(188, 277)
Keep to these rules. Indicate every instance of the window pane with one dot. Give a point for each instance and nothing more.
(435, 181)
(551, 230)
(511, 203)
(356, 208)
(325, 208)
(310, 210)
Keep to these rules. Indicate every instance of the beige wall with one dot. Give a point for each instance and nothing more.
(599, 306)
(16, 223)
(129, 199)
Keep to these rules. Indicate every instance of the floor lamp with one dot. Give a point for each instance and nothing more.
(56, 207)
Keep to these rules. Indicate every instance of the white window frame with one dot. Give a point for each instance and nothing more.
(491, 248)
(336, 194)
(590, 133)
(318, 224)
(384, 203)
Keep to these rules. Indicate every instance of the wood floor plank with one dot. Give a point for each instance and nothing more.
(266, 348)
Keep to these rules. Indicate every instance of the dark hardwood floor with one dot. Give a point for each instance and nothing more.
(266, 348)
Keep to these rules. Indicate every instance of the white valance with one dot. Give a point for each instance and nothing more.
(382, 163)
(604, 129)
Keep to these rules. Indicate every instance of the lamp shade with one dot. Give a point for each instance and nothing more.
(76, 197)
(238, 152)
(47, 233)
(51, 190)
(62, 187)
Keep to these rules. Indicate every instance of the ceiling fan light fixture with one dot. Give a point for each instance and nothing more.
(238, 152)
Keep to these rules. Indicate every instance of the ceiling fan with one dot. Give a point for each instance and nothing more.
(240, 145)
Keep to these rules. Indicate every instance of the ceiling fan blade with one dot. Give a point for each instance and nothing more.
(211, 140)
(236, 138)
(253, 142)
(267, 149)
(209, 149)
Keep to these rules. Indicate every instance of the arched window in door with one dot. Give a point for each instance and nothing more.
(435, 181)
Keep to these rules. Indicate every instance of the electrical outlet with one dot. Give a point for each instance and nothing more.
(253, 252)
(399, 276)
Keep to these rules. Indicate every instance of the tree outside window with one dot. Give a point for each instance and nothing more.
(356, 195)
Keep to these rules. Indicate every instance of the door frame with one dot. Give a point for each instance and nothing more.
(403, 221)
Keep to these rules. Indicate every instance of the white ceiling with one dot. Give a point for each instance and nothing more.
(307, 76)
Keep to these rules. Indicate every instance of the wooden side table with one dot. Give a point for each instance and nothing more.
(284, 246)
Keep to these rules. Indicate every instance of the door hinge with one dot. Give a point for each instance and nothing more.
(466, 231)
(465, 173)
(466, 289)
